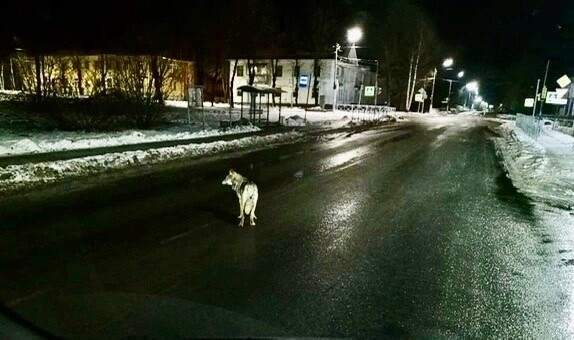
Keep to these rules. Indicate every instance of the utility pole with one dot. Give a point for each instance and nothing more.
(432, 91)
(535, 97)
(544, 88)
(377, 83)
(448, 98)
(335, 80)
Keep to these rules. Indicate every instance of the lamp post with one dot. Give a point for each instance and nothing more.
(459, 75)
(335, 79)
(471, 87)
(447, 63)
(354, 35)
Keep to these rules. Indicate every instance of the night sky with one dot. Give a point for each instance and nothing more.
(486, 37)
(489, 37)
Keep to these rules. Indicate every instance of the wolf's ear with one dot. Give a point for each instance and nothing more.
(231, 171)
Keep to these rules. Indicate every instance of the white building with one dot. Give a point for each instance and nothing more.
(291, 73)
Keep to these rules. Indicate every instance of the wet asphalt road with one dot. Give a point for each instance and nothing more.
(408, 230)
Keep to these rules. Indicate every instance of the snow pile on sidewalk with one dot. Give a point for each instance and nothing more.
(542, 168)
(62, 141)
(18, 176)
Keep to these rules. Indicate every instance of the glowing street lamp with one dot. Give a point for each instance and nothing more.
(460, 74)
(447, 63)
(472, 87)
(354, 35)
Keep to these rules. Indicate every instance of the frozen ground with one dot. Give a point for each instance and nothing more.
(542, 168)
(15, 177)
(40, 142)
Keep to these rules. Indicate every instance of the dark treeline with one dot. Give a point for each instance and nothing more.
(209, 32)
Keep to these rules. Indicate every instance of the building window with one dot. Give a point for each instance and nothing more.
(262, 74)
(279, 71)
(261, 69)
(240, 71)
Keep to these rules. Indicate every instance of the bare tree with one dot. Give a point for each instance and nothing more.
(274, 71)
(233, 73)
(2, 74)
(38, 64)
(405, 31)
(157, 80)
(251, 71)
(77, 65)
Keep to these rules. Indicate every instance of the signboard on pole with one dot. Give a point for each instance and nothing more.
(529, 102)
(561, 92)
(303, 81)
(369, 91)
(564, 81)
(423, 93)
(552, 98)
(419, 97)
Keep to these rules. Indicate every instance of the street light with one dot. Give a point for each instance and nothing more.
(354, 35)
(447, 63)
(459, 75)
(472, 86)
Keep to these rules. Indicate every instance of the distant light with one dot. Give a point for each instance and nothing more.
(472, 86)
(354, 35)
(460, 74)
(448, 63)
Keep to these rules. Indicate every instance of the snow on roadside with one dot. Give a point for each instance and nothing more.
(11, 144)
(15, 177)
(542, 168)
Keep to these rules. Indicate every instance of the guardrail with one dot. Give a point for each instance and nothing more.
(354, 108)
(530, 125)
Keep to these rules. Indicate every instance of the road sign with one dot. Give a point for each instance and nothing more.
(564, 81)
(303, 81)
(369, 91)
(419, 97)
(423, 93)
(529, 102)
(561, 92)
(552, 98)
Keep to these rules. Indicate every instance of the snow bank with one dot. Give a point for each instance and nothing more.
(19, 176)
(61, 141)
(542, 168)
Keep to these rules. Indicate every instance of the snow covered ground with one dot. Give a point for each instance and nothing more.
(15, 177)
(542, 168)
(290, 116)
(13, 144)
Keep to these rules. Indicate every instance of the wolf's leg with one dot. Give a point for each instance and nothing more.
(240, 208)
(255, 197)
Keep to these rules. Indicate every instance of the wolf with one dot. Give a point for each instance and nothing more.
(247, 193)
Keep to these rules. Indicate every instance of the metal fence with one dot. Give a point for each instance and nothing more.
(365, 108)
(530, 125)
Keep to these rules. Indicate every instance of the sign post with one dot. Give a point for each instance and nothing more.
(369, 91)
(195, 101)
